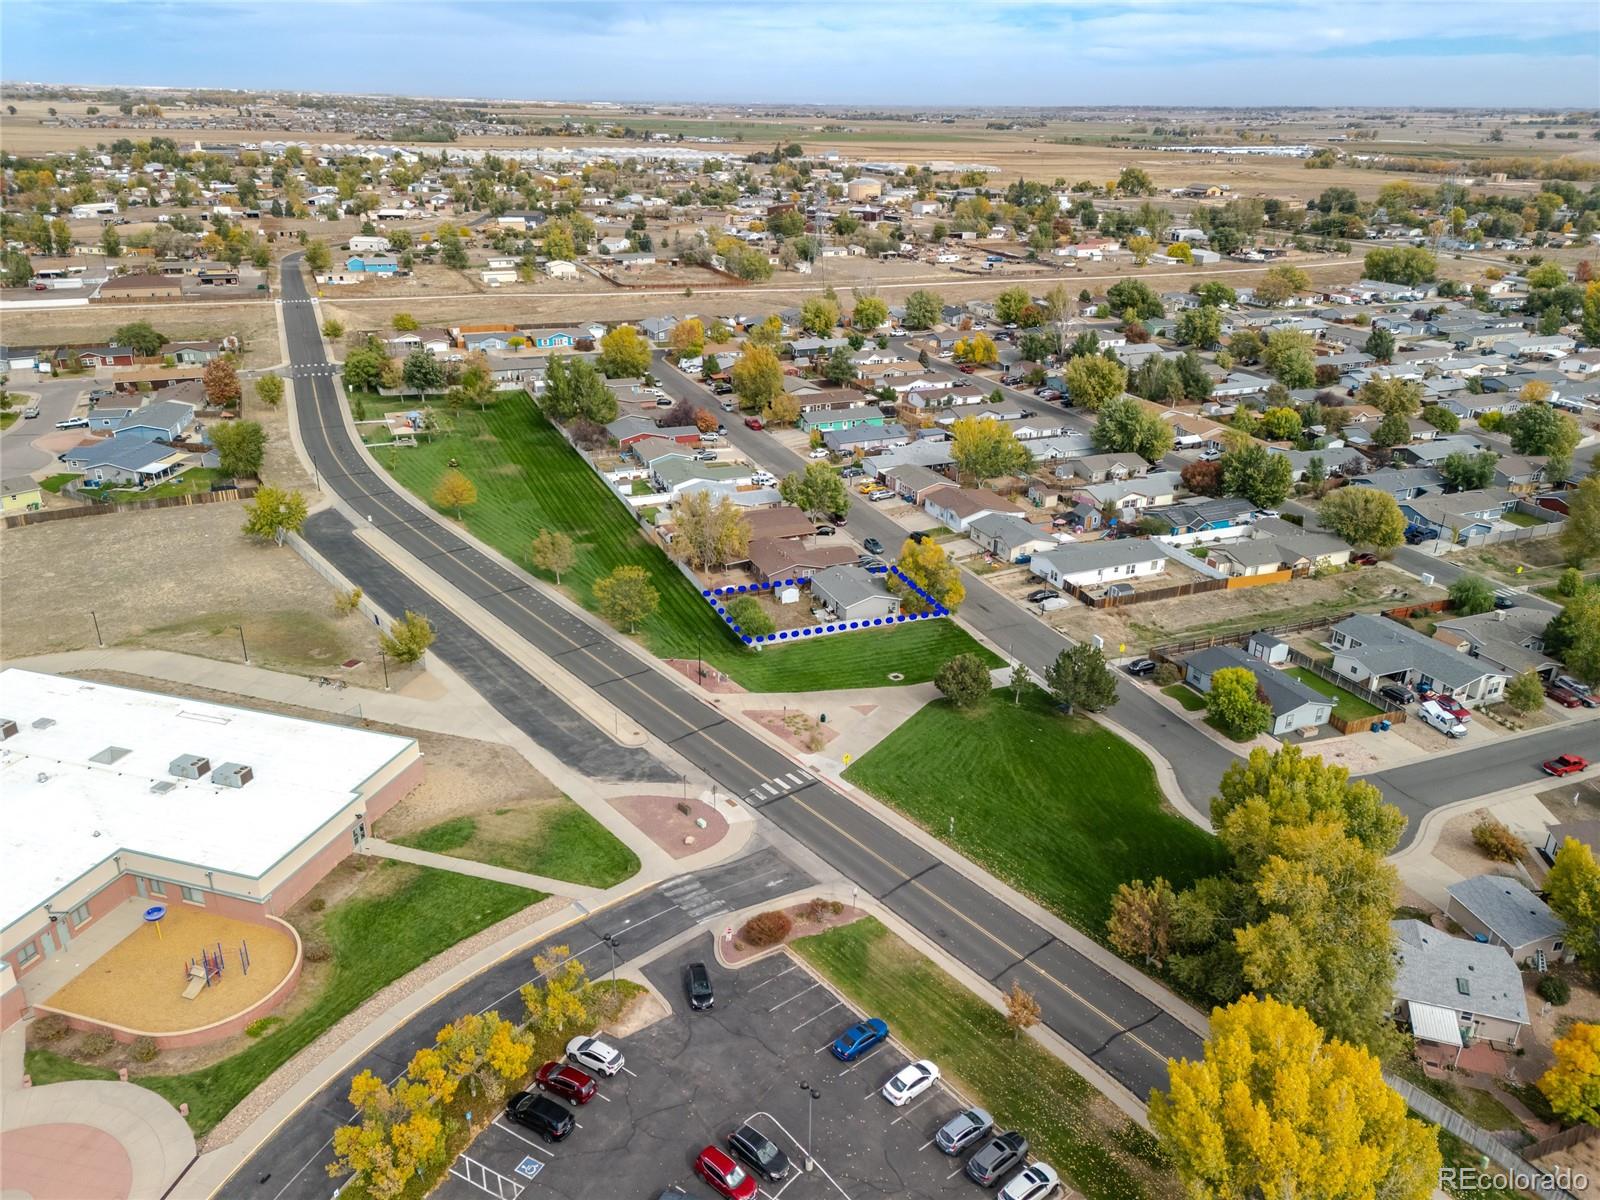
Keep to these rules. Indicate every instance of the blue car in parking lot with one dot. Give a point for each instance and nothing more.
(858, 1039)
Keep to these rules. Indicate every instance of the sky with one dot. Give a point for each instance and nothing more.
(1490, 53)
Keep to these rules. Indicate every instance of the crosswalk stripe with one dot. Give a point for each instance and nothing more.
(770, 790)
(794, 779)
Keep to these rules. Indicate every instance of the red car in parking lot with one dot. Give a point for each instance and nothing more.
(1565, 764)
(565, 1081)
(726, 1177)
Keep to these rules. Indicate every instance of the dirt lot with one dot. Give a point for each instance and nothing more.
(254, 321)
(1242, 608)
(1541, 561)
(174, 579)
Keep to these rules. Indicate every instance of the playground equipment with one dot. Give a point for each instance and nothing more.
(210, 966)
(153, 915)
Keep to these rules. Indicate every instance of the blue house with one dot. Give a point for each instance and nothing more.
(159, 422)
(1222, 513)
(553, 339)
(487, 341)
(373, 264)
(1461, 515)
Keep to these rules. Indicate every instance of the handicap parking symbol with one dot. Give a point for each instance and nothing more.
(529, 1167)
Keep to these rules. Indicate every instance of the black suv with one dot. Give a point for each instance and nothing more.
(764, 1158)
(1140, 667)
(697, 982)
(544, 1116)
(996, 1157)
(1397, 693)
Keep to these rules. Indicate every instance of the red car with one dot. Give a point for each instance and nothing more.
(1364, 560)
(1451, 705)
(753, 423)
(968, 369)
(1565, 764)
(726, 1177)
(1564, 696)
(565, 1081)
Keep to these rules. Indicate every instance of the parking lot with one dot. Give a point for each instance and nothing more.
(692, 1078)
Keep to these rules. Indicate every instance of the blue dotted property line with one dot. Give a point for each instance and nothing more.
(714, 597)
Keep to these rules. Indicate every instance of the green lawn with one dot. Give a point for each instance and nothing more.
(1102, 1154)
(403, 916)
(1185, 695)
(9, 418)
(528, 478)
(1513, 517)
(1345, 704)
(560, 840)
(55, 483)
(1057, 806)
(195, 479)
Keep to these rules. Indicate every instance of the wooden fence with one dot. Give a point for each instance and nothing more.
(1405, 610)
(1170, 650)
(44, 516)
(1392, 712)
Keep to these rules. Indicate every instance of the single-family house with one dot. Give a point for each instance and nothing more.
(1222, 512)
(1097, 468)
(957, 507)
(368, 243)
(1294, 705)
(1090, 564)
(676, 474)
(193, 354)
(1253, 556)
(551, 339)
(1140, 493)
(629, 430)
(105, 417)
(1520, 474)
(122, 459)
(92, 357)
(560, 268)
(162, 421)
(372, 264)
(852, 593)
(1449, 989)
(913, 482)
(1460, 515)
(774, 558)
(866, 438)
(1510, 637)
(1555, 837)
(1404, 484)
(1008, 537)
(21, 494)
(827, 419)
(1375, 650)
(1505, 912)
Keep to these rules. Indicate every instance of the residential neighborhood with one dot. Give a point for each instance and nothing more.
(846, 634)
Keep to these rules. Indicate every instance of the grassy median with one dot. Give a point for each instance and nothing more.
(1091, 1143)
(1059, 807)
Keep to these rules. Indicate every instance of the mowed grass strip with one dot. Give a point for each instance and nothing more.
(558, 839)
(1345, 704)
(528, 478)
(404, 916)
(1056, 806)
(1091, 1143)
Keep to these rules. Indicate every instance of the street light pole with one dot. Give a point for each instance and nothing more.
(612, 941)
(812, 1096)
(242, 646)
(98, 639)
(384, 658)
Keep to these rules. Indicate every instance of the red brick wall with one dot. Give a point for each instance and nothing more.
(394, 791)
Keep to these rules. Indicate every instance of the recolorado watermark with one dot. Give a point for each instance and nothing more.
(1471, 1179)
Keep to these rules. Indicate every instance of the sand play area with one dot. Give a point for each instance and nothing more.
(140, 982)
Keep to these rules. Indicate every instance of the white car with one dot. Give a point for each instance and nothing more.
(594, 1055)
(1033, 1182)
(910, 1082)
(819, 452)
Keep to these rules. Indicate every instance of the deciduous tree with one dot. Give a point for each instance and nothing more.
(221, 382)
(454, 491)
(555, 997)
(1126, 426)
(317, 256)
(1400, 264)
(623, 354)
(1080, 678)
(269, 390)
(1364, 517)
(1572, 1084)
(1288, 356)
(407, 638)
(1141, 921)
(240, 446)
(1092, 380)
(688, 337)
(1471, 594)
(924, 309)
(141, 337)
(422, 373)
(816, 490)
(1580, 536)
(1467, 472)
(626, 597)
(964, 680)
(1573, 889)
(1276, 1108)
(869, 313)
(553, 551)
(1233, 703)
(1200, 327)
(985, 449)
(1250, 470)
(273, 513)
(757, 377)
(709, 532)
(1022, 1009)
(927, 565)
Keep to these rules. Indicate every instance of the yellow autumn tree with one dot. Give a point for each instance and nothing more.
(399, 1133)
(428, 1068)
(1572, 1085)
(926, 564)
(555, 997)
(1277, 1109)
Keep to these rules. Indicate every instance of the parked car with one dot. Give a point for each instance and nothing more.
(1505, 602)
(1364, 559)
(726, 1177)
(544, 1116)
(1449, 703)
(705, 456)
(712, 435)
(594, 1054)
(697, 982)
(1564, 764)
(30, 412)
(967, 369)
(73, 423)
(722, 389)
(753, 423)
(1565, 697)
(837, 520)
(566, 1081)
(1397, 693)
(910, 1081)
(663, 400)
(825, 531)
(758, 1150)
(819, 452)
(872, 546)
(962, 1130)
(1040, 595)
(1416, 534)
(1577, 687)
(1435, 714)
(852, 472)
(858, 1039)
(1033, 1182)
(1212, 455)
(1140, 667)
(997, 1156)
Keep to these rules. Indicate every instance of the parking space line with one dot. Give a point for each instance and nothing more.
(912, 1109)
(823, 1013)
(860, 1060)
(774, 978)
(925, 1144)
(520, 1138)
(626, 1071)
(794, 1141)
(796, 996)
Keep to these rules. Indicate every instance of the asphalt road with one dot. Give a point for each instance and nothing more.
(1128, 1035)
(1197, 761)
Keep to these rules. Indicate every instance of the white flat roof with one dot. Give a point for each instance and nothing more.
(1434, 1024)
(71, 801)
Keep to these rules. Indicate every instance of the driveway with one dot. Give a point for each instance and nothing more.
(57, 398)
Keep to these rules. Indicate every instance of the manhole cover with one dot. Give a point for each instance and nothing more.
(896, 676)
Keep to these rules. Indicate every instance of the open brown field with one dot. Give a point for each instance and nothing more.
(255, 321)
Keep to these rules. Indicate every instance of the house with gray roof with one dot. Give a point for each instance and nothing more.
(162, 421)
(1401, 484)
(675, 474)
(1375, 650)
(1008, 537)
(1449, 989)
(1511, 637)
(1507, 914)
(866, 438)
(1090, 564)
(1294, 704)
(853, 593)
(122, 459)
(1460, 515)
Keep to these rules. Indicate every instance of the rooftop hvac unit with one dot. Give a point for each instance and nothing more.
(162, 786)
(189, 766)
(8, 728)
(234, 775)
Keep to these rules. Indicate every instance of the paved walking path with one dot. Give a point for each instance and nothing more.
(465, 866)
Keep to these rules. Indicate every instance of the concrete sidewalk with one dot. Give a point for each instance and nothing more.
(379, 848)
